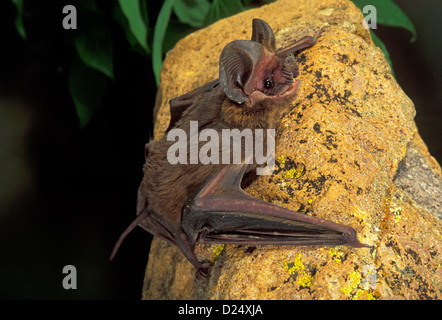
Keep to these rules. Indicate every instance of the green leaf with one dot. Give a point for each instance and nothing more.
(94, 44)
(134, 13)
(192, 12)
(19, 18)
(389, 14)
(220, 9)
(119, 17)
(158, 37)
(87, 88)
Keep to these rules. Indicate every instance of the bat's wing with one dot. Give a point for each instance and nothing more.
(302, 44)
(180, 104)
(222, 212)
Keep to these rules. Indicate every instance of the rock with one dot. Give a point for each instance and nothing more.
(419, 176)
(340, 156)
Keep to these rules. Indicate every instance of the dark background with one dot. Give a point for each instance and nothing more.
(67, 193)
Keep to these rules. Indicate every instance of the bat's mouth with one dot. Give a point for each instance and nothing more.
(292, 89)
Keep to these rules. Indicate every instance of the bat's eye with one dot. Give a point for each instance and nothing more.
(268, 84)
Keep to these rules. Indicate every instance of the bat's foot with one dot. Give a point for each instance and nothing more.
(202, 273)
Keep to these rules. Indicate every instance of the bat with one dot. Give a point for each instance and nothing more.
(186, 203)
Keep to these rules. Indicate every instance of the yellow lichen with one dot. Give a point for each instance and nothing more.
(305, 280)
(353, 289)
(298, 267)
(309, 201)
(358, 294)
(359, 214)
(370, 297)
(335, 254)
(290, 173)
(293, 173)
(217, 251)
(281, 161)
(355, 278)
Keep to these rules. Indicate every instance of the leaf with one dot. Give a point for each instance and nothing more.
(192, 12)
(220, 9)
(134, 13)
(158, 37)
(94, 44)
(119, 17)
(389, 14)
(87, 88)
(19, 18)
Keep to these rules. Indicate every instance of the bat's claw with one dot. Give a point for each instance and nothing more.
(318, 34)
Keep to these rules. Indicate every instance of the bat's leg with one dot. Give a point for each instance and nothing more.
(302, 44)
(179, 104)
(148, 221)
(173, 234)
(223, 213)
(151, 221)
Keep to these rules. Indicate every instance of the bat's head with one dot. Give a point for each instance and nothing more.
(251, 72)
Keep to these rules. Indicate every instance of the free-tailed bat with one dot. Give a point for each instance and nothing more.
(195, 202)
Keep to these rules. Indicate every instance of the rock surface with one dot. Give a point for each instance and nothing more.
(348, 152)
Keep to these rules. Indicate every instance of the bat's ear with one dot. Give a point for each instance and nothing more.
(263, 34)
(236, 65)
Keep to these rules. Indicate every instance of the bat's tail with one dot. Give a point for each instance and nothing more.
(128, 230)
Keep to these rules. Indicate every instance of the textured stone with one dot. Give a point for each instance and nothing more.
(338, 153)
(419, 175)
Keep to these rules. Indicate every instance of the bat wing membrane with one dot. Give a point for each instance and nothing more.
(223, 213)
